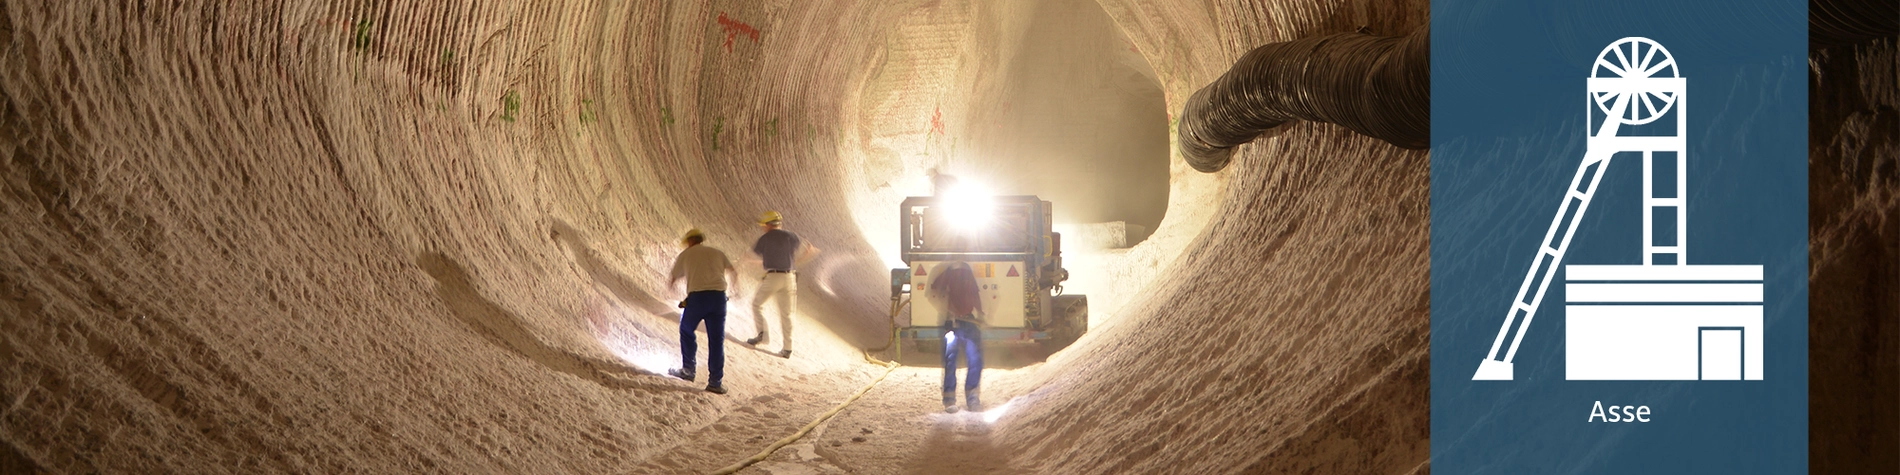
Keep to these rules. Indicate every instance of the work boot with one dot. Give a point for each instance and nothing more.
(787, 354)
(715, 389)
(950, 402)
(971, 402)
(681, 374)
(754, 341)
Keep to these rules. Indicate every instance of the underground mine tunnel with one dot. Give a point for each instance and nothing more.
(436, 236)
(401, 237)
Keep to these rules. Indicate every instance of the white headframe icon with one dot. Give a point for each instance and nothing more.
(1633, 323)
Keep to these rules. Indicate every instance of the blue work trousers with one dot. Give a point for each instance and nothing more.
(964, 337)
(707, 306)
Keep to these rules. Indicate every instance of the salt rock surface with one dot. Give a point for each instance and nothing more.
(431, 236)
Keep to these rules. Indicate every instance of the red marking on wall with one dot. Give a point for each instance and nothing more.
(734, 28)
(1012, 272)
(920, 271)
(936, 122)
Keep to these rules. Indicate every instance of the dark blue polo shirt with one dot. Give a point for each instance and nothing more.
(776, 247)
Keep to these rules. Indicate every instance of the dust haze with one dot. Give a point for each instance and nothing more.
(1081, 121)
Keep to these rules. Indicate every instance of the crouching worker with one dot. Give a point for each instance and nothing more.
(955, 288)
(706, 271)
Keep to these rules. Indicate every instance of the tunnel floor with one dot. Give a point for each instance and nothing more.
(897, 427)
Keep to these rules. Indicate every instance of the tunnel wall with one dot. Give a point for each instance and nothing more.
(430, 235)
(426, 235)
(1289, 333)
(1853, 243)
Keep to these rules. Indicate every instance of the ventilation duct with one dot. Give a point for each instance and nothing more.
(1377, 86)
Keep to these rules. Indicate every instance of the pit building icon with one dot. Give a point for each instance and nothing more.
(1663, 319)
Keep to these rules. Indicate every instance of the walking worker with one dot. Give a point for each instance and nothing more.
(955, 286)
(778, 250)
(707, 272)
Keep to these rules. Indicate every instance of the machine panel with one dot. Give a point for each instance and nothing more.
(1000, 286)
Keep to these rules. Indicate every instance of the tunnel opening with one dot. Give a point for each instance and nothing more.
(1080, 121)
(1047, 99)
(1062, 106)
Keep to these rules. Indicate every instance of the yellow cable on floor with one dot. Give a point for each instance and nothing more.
(760, 457)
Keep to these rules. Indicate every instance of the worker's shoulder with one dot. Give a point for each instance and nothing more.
(703, 250)
(957, 268)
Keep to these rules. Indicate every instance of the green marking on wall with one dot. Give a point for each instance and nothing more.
(362, 36)
(587, 112)
(771, 128)
(666, 116)
(510, 103)
(719, 124)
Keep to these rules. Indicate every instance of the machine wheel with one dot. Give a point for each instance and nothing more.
(1073, 311)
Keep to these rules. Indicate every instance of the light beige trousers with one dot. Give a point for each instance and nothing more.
(780, 287)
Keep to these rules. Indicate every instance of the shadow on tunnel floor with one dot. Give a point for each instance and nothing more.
(996, 355)
(504, 329)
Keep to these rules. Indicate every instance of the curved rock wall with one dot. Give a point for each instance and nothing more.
(1854, 246)
(429, 236)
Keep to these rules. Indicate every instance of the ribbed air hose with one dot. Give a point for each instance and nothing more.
(1844, 22)
(1377, 86)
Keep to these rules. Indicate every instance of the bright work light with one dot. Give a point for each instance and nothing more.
(968, 207)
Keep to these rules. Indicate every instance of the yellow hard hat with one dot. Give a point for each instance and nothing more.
(690, 234)
(770, 217)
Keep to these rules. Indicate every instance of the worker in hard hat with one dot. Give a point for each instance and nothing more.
(707, 273)
(778, 251)
(955, 287)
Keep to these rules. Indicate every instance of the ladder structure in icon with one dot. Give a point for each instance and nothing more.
(1663, 319)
